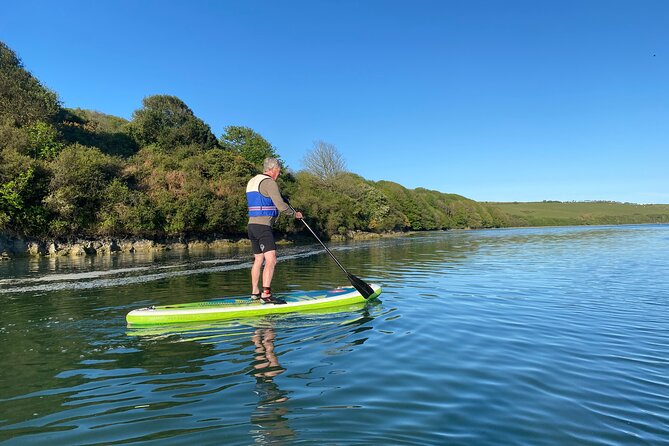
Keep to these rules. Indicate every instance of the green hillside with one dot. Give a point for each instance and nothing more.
(68, 173)
(555, 213)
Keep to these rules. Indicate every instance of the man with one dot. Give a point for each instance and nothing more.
(265, 204)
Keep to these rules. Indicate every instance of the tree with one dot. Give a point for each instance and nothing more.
(324, 161)
(80, 178)
(189, 191)
(23, 99)
(249, 144)
(124, 211)
(167, 122)
(44, 140)
(24, 183)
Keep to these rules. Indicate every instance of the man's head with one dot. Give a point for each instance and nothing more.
(272, 167)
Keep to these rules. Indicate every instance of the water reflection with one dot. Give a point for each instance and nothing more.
(267, 365)
(270, 413)
(232, 352)
(488, 318)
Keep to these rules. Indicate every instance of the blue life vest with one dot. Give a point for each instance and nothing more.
(259, 205)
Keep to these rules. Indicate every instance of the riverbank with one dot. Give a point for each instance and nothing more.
(19, 246)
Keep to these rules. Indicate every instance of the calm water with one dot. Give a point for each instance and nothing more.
(549, 336)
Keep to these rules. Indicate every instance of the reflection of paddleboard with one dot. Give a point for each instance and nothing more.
(228, 308)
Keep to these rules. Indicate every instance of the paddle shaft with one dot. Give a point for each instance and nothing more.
(357, 283)
(317, 238)
(326, 248)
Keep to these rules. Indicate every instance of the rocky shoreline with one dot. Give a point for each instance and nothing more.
(19, 246)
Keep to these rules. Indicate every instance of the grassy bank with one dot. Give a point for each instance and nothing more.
(555, 213)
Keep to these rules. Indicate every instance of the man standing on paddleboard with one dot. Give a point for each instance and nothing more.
(265, 204)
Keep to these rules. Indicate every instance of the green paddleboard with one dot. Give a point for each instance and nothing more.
(238, 307)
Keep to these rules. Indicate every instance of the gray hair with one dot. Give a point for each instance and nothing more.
(270, 163)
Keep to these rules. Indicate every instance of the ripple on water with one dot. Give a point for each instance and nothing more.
(542, 336)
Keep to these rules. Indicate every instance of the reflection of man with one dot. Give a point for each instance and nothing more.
(270, 418)
(268, 365)
(265, 204)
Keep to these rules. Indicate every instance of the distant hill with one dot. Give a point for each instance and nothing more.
(556, 213)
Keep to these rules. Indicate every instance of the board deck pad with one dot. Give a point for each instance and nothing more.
(236, 307)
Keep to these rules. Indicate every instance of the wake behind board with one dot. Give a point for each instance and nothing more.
(230, 308)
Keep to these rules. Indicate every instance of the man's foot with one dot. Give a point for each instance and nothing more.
(256, 296)
(266, 293)
(267, 297)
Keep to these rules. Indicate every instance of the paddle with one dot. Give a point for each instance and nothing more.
(363, 287)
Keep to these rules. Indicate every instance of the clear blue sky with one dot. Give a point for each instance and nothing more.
(497, 100)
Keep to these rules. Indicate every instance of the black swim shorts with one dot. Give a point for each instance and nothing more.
(262, 238)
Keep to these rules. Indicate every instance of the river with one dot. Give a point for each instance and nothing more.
(533, 336)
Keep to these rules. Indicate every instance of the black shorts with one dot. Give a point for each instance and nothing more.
(262, 238)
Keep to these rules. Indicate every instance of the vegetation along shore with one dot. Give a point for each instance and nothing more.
(88, 182)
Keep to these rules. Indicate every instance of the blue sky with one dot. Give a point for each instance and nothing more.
(497, 100)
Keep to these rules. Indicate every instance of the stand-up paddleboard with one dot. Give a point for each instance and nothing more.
(229, 308)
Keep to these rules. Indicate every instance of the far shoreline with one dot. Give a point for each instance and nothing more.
(14, 246)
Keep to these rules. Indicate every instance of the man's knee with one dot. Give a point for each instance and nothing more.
(270, 258)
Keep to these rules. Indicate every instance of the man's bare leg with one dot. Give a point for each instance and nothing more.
(268, 270)
(255, 272)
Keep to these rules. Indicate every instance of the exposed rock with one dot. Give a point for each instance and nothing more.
(143, 245)
(13, 245)
(176, 246)
(77, 249)
(222, 243)
(361, 235)
(126, 246)
(36, 249)
(198, 244)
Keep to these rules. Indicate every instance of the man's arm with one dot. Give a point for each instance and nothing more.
(269, 188)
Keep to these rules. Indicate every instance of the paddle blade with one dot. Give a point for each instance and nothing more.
(363, 287)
